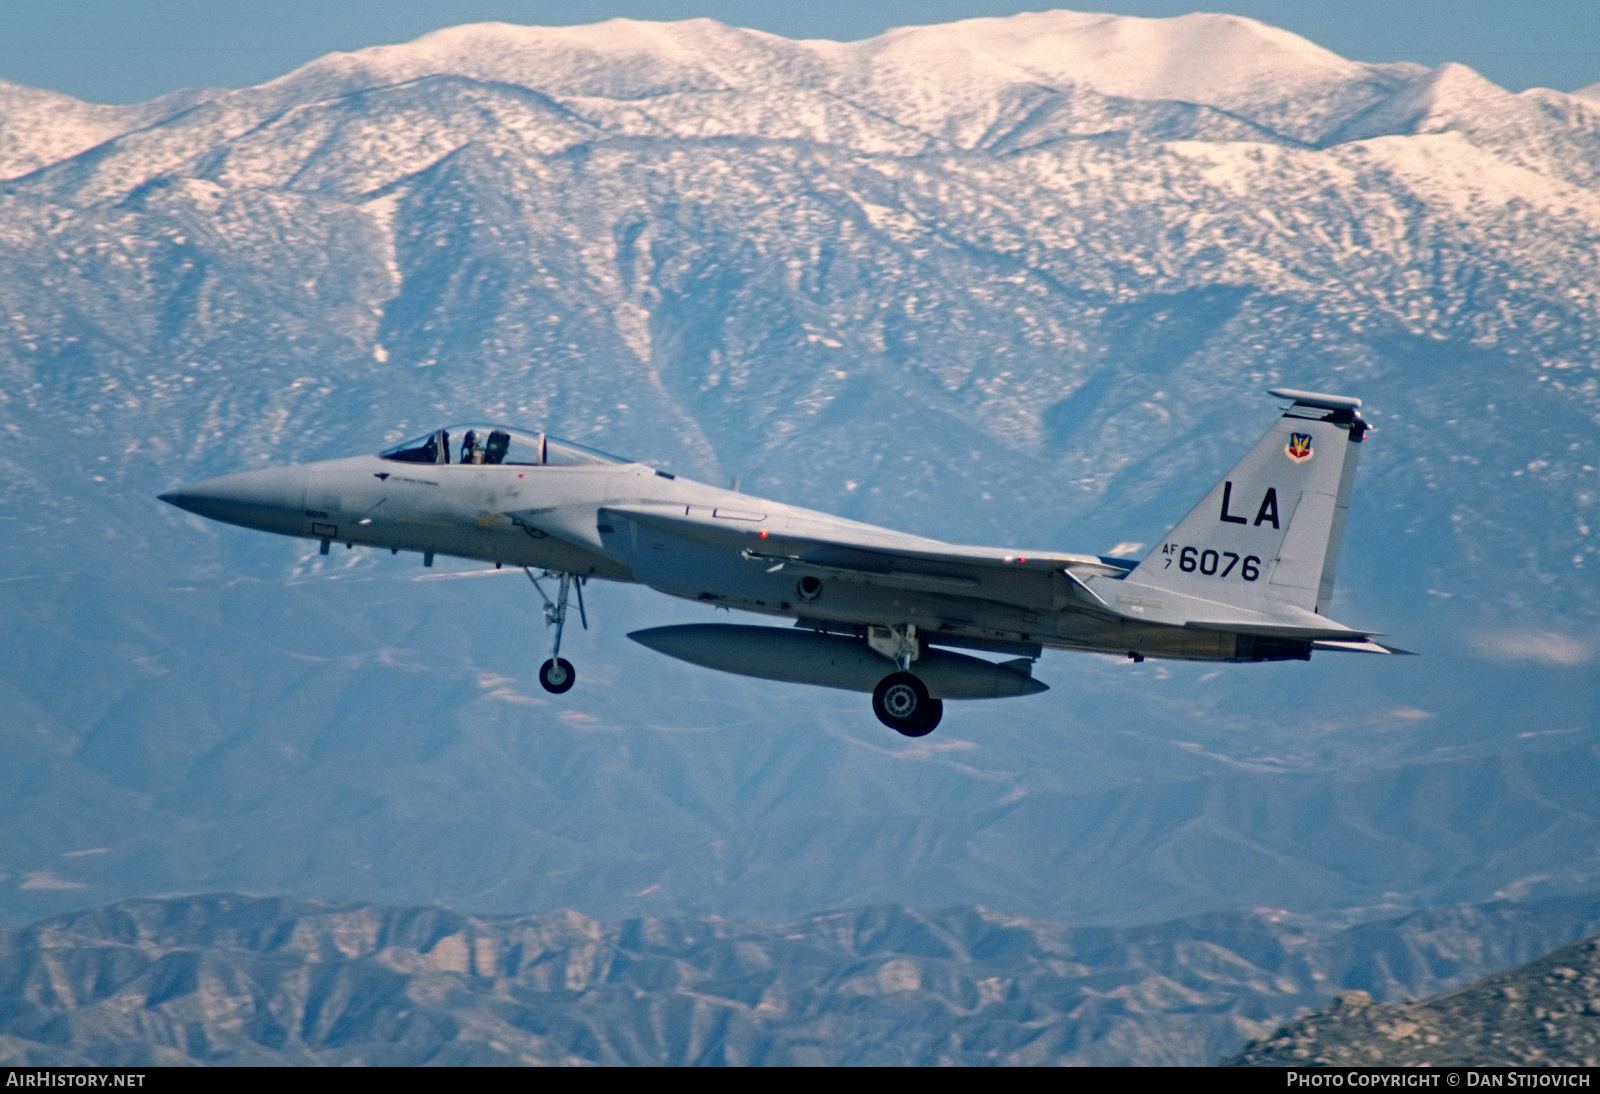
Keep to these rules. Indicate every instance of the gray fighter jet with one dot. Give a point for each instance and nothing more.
(1246, 576)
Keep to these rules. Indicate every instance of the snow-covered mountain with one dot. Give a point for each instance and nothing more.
(1012, 280)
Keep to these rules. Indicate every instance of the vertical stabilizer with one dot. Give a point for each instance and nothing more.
(1269, 533)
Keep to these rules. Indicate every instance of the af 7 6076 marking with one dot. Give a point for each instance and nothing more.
(1207, 561)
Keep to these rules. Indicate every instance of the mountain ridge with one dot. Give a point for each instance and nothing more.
(1173, 60)
(226, 979)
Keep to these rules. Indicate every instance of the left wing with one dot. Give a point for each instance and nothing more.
(869, 555)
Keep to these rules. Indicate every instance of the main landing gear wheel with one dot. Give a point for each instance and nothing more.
(902, 703)
(556, 675)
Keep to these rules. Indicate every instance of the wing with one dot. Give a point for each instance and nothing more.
(847, 551)
(866, 554)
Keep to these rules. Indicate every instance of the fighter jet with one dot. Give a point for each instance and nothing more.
(1245, 577)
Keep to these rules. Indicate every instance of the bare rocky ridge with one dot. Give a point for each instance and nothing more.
(236, 980)
(1544, 1013)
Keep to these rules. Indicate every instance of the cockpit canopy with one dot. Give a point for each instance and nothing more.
(495, 444)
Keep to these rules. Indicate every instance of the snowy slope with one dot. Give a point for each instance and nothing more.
(42, 127)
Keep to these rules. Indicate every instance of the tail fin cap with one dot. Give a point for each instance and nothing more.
(1316, 399)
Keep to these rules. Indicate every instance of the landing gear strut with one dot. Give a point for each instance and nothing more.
(557, 674)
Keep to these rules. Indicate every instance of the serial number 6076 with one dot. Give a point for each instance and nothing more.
(1211, 563)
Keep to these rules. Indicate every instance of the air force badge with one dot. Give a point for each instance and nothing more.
(1299, 447)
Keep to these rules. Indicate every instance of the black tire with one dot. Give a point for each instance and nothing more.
(557, 675)
(902, 703)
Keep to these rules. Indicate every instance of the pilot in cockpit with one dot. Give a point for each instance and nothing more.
(495, 450)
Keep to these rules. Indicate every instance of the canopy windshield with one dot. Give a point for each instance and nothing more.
(495, 444)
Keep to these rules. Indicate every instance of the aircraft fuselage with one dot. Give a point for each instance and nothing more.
(546, 518)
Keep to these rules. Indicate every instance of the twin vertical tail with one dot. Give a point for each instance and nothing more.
(1267, 536)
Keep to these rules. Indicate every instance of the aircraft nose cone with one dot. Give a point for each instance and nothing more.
(184, 499)
(268, 500)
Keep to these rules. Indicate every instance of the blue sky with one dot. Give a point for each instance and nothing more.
(130, 50)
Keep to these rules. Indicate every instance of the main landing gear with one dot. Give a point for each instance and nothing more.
(901, 701)
(557, 674)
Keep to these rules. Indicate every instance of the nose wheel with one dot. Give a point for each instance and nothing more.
(557, 674)
(901, 702)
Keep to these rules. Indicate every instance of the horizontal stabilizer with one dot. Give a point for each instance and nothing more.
(1363, 646)
(1331, 632)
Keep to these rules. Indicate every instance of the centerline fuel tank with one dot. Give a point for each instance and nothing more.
(830, 660)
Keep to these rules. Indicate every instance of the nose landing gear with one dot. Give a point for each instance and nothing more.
(557, 674)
